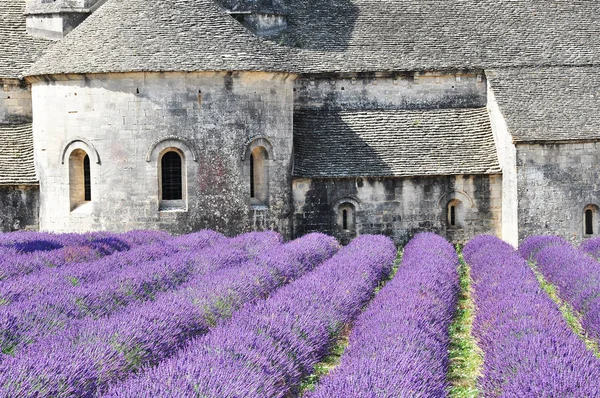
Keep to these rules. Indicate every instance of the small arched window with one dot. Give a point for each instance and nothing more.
(80, 178)
(346, 216)
(172, 182)
(259, 176)
(590, 220)
(455, 214)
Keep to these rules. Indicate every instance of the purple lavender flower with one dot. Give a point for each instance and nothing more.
(529, 351)
(266, 349)
(145, 334)
(399, 345)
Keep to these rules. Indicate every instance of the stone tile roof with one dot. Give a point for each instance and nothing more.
(18, 50)
(393, 143)
(159, 35)
(380, 35)
(16, 155)
(552, 103)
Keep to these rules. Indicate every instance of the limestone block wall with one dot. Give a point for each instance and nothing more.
(556, 182)
(15, 102)
(19, 208)
(399, 207)
(414, 90)
(125, 122)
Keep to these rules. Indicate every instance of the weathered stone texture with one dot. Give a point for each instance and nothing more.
(19, 207)
(555, 183)
(15, 102)
(399, 207)
(370, 91)
(128, 118)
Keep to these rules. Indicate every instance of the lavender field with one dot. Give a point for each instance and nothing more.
(145, 314)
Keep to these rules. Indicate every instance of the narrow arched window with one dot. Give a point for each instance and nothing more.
(346, 216)
(171, 176)
(87, 179)
(252, 193)
(590, 219)
(455, 214)
(589, 222)
(80, 178)
(259, 176)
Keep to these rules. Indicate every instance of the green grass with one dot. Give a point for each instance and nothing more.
(340, 343)
(466, 358)
(571, 315)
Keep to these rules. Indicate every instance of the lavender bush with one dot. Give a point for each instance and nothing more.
(532, 245)
(591, 247)
(25, 322)
(529, 351)
(399, 345)
(72, 248)
(109, 349)
(576, 275)
(267, 348)
(52, 281)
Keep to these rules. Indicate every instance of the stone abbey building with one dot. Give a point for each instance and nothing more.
(343, 116)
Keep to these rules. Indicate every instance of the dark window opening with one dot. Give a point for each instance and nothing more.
(252, 175)
(345, 219)
(453, 216)
(87, 180)
(589, 222)
(172, 186)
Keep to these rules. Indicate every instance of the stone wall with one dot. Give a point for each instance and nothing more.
(415, 90)
(125, 121)
(400, 207)
(15, 102)
(18, 208)
(555, 184)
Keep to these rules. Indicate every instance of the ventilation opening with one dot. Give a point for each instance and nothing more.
(589, 221)
(87, 179)
(452, 215)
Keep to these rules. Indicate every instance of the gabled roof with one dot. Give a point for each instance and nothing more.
(381, 35)
(393, 143)
(16, 155)
(18, 50)
(159, 35)
(549, 104)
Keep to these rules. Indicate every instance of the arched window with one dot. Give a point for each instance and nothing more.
(590, 220)
(172, 186)
(259, 176)
(172, 181)
(80, 178)
(346, 216)
(455, 214)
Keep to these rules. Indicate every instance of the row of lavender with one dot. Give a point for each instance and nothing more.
(574, 272)
(111, 284)
(266, 349)
(29, 252)
(103, 351)
(399, 345)
(529, 350)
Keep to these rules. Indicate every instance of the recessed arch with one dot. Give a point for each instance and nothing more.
(259, 166)
(80, 178)
(80, 143)
(171, 141)
(254, 142)
(460, 195)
